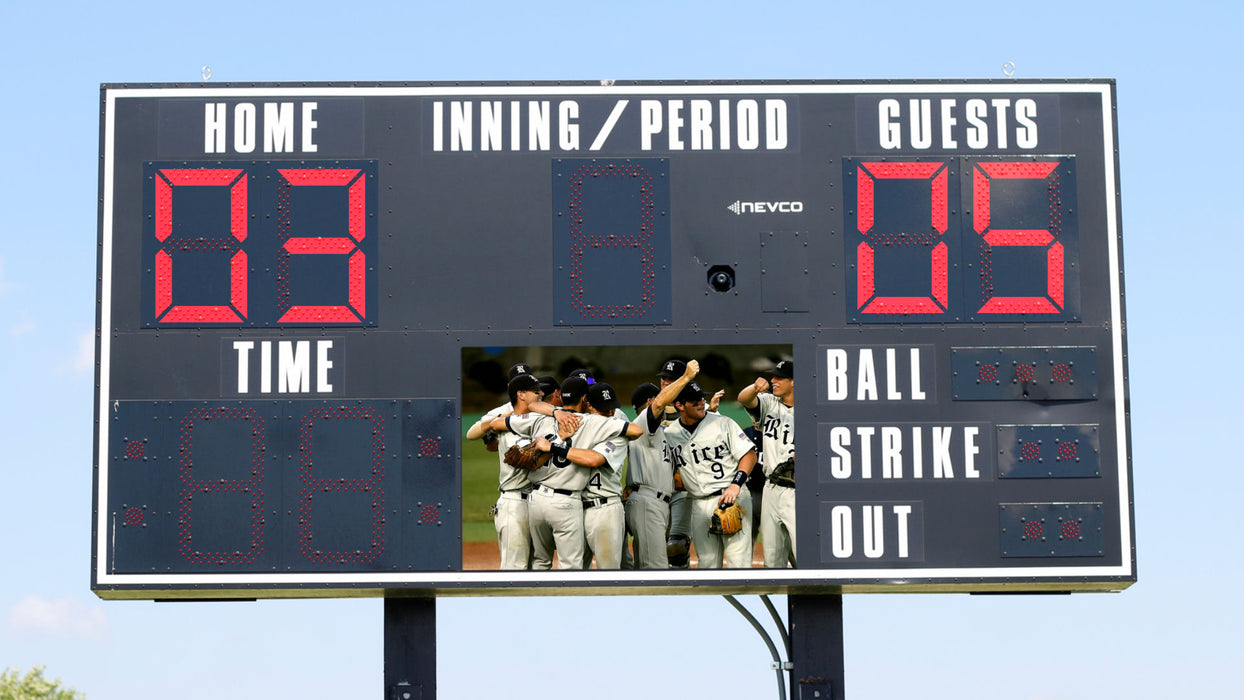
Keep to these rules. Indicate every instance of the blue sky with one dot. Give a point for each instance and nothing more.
(1173, 634)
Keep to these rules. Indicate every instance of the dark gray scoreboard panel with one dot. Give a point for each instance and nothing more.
(289, 277)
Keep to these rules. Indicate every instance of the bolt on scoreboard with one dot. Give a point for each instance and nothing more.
(292, 279)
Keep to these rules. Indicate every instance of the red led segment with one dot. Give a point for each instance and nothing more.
(1029, 451)
(1055, 271)
(429, 447)
(314, 483)
(134, 516)
(355, 309)
(195, 487)
(1024, 374)
(166, 180)
(938, 300)
(429, 515)
(1070, 529)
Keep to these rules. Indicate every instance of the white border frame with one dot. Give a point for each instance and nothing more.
(553, 582)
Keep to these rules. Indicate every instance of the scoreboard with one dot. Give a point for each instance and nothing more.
(296, 283)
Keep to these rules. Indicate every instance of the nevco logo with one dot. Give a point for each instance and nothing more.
(740, 207)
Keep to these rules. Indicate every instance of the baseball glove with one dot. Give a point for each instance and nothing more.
(526, 456)
(784, 474)
(726, 520)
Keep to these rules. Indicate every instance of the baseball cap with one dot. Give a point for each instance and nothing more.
(573, 389)
(784, 369)
(672, 369)
(643, 393)
(690, 393)
(582, 373)
(602, 397)
(548, 385)
(522, 382)
(517, 369)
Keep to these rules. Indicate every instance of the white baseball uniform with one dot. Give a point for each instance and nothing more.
(556, 518)
(513, 505)
(776, 422)
(707, 457)
(651, 479)
(604, 517)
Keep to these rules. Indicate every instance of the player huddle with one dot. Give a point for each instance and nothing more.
(577, 476)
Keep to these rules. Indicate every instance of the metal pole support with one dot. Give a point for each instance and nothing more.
(817, 651)
(410, 648)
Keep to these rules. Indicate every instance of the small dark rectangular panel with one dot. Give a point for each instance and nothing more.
(1024, 374)
(1048, 451)
(784, 271)
(1050, 529)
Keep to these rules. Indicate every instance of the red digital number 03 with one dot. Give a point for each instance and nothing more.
(1053, 302)
(938, 299)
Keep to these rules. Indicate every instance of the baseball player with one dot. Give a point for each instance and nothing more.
(604, 518)
(715, 458)
(510, 514)
(650, 476)
(774, 413)
(678, 542)
(556, 513)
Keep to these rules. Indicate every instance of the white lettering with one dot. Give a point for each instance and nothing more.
(970, 450)
(1026, 114)
(866, 451)
(438, 126)
(243, 348)
(891, 377)
(567, 113)
(1000, 106)
(891, 453)
(460, 126)
(978, 132)
(724, 111)
(748, 113)
(650, 122)
(538, 126)
(917, 393)
(294, 367)
(491, 119)
(775, 125)
(322, 365)
(701, 125)
(309, 124)
(888, 112)
(675, 123)
(942, 468)
(921, 119)
(840, 463)
(900, 514)
(244, 127)
(948, 125)
(874, 532)
(214, 123)
(840, 524)
(265, 367)
(866, 383)
(278, 127)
